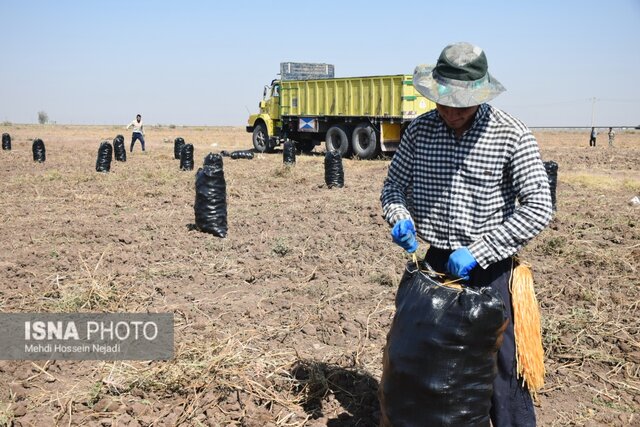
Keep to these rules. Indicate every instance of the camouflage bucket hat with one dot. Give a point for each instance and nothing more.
(459, 79)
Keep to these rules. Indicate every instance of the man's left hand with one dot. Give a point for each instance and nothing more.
(461, 262)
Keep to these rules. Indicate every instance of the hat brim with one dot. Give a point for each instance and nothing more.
(455, 93)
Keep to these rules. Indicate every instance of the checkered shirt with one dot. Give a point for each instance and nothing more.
(487, 190)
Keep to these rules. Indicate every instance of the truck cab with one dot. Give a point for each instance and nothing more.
(265, 125)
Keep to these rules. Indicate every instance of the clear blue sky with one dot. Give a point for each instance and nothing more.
(205, 63)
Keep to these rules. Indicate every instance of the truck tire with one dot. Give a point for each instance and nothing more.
(338, 140)
(365, 141)
(305, 146)
(261, 138)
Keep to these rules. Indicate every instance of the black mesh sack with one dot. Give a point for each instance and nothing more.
(119, 150)
(333, 172)
(289, 153)
(103, 162)
(186, 157)
(211, 197)
(439, 361)
(177, 146)
(552, 173)
(241, 154)
(39, 152)
(213, 160)
(6, 142)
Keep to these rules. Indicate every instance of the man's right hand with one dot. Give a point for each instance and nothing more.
(404, 235)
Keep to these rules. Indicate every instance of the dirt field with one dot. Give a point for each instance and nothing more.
(283, 322)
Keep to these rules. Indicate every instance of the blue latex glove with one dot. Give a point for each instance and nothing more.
(461, 262)
(404, 235)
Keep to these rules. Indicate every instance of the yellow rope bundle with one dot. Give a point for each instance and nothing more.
(526, 324)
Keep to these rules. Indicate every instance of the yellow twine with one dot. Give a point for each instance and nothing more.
(526, 325)
(450, 283)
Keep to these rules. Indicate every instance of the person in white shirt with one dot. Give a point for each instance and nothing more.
(138, 132)
(612, 136)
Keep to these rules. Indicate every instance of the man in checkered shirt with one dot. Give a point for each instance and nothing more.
(469, 180)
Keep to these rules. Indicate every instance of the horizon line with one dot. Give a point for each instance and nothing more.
(158, 125)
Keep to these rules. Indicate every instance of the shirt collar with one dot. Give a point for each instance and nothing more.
(482, 111)
(480, 114)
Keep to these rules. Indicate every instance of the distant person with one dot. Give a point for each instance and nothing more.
(138, 132)
(592, 139)
(612, 136)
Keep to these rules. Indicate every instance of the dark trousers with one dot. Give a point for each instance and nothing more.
(592, 141)
(135, 136)
(511, 403)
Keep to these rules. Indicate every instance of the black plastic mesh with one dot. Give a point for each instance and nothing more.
(439, 361)
(552, 173)
(6, 141)
(186, 157)
(177, 146)
(289, 153)
(119, 150)
(333, 172)
(103, 162)
(39, 151)
(211, 197)
(241, 154)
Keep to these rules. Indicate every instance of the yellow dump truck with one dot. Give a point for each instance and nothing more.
(356, 115)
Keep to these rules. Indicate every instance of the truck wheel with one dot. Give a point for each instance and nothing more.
(365, 141)
(260, 138)
(338, 140)
(305, 146)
